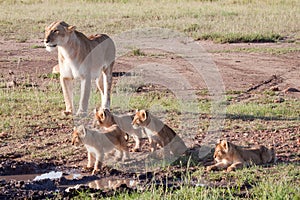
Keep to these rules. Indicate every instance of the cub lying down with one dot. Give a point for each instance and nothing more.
(97, 143)
(231, 157)
(159, 133)
(106, 119)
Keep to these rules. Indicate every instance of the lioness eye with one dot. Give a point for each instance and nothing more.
(56, 31)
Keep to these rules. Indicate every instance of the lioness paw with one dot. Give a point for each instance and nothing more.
(67, 113)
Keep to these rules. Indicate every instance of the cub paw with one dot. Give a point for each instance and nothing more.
(209, 168)
(230, 169)
(87, 168)
(136, 150)
(95, 171)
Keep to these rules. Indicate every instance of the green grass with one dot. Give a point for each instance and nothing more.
(221, 21)
(268, 50)
(278, 182)
(287, 110)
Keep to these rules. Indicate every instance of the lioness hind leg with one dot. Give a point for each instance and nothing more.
(84, 96)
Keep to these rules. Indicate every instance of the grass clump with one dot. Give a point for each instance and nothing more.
(242, 37)
(221, 21)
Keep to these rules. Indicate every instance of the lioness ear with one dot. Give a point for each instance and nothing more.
(224, 144)
(95, 111)
(71, 28)
(143, 115)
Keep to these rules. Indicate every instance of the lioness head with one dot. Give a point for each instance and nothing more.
(222, 150)
(78, 132)
(57, 34)
(140, 118)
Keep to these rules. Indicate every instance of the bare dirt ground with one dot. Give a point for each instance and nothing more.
(26, 63)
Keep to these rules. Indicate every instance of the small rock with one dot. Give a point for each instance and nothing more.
(279, 100)
(11, 84)
(274, 88)
(3, 135)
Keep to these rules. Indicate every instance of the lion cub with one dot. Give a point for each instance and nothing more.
(230, 156)
(98, 144)
(159, 133)
(106, 119)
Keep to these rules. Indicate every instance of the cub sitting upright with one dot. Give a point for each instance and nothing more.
(231, 157)
(159, 133)
(106, 119)
(97, 143)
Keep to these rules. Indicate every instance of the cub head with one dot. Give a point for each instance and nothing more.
(78, 133)
(268, 155)
(57, 34)
(140, 118)
(104, 117)
(222, 150)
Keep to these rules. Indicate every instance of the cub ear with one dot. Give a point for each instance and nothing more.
(218, 142)
(144, 115)
(102, 114)
(71, 28)
(74, 130)
(224, 144)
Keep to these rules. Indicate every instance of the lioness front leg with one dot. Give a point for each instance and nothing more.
(67, 88)
(107, 82)
(84, 96)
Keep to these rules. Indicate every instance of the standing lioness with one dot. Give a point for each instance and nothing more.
(83, 58)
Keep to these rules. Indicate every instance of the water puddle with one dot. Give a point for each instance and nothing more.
(108, 183)
(51, 175)
(73, 180)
